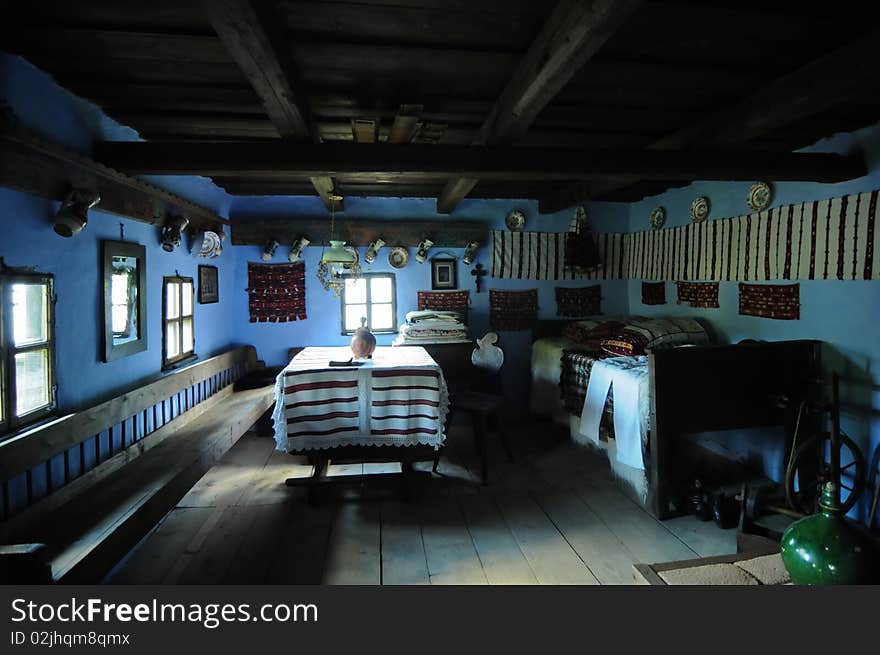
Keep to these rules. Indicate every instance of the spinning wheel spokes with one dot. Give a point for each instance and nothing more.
(806, 476)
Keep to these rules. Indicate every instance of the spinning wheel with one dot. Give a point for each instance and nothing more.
(805, 476)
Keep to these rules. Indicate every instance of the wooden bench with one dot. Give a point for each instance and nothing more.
(172, 431)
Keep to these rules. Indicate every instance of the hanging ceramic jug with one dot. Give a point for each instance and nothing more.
(363, 343)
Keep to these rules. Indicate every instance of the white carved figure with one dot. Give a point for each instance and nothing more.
(487, 354)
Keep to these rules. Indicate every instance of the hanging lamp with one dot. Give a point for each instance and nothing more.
(340, 260)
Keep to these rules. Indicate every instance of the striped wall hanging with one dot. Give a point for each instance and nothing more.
(513, 310)
(698, 294)
(578, 302)
(836, 239)
(653, 293)
(451, 301)
(541, 256)
(780, 301)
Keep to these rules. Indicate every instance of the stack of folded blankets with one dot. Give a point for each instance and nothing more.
(431, 326)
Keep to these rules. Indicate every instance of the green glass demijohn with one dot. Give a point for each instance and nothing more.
(826, 549)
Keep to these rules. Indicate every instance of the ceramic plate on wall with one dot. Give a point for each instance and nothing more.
(700, 209)
(759, 196)
(398, 257)
(515, 220)
(658, 218)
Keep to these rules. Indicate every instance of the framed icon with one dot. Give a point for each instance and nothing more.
(444, 274)
(209, 290)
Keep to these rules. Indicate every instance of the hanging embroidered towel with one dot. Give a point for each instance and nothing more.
(276, 292)
(513, 310)
(578, 302)
(653, 293)
(780, 301)
(450, 301)
(698, 294)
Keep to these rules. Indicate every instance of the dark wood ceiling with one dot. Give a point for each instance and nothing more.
(159, 67)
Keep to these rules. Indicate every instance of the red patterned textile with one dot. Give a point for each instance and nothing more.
(449, 301)
(513, 310)
(653, 293)
(780, 301)
(276, 292)
(578, 302)
(698, 294)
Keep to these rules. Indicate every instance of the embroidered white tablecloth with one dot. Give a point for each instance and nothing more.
(398, 398)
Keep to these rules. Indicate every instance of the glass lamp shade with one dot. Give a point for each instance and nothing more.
(335, 262)
(339, 253)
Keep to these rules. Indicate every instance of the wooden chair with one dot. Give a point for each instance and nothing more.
(481, 397)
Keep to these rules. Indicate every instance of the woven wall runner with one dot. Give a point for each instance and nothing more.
(780, 301)
(836, 239)
(451, 301)
(698, 294)
(541, 256)
(513, 310)
(276, 292)
(653, 293)
(578, 302)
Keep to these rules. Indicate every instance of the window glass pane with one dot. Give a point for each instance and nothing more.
(187, 337)
(119, 317)
(353, 314)
(186, 297)
(380, 289)
(382, 318)
(30, 313)
(172, 300)
(172, 340)
(355, 291)
(31, 381)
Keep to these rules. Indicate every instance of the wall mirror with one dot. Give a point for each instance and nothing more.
(124, 275)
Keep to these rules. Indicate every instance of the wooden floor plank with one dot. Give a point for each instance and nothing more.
(604, 554)
(353, 555)
(703, 537)
(153, 559)
(500, 556)
(254, 557)
(302, 545)
(403, 551)
(209, 565)
(549, 554)
(452, 557)
(643, 535)
(232, 476)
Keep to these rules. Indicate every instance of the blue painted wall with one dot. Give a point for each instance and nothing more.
(323, 323)
(29, 240)
(842, 314)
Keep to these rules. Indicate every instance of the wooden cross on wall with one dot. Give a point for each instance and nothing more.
(478, 272)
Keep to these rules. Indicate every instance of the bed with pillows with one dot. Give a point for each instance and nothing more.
(561, 368)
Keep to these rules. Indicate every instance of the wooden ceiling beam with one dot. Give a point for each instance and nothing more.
(396, 161)
(569, 38)
(834, 79)
(249, 31)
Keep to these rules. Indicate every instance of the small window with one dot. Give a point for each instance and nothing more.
(370, 299)
(27, 349)
(179, 334)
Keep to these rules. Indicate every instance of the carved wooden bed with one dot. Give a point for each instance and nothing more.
(709, 388)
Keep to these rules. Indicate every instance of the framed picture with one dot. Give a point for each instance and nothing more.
(209, 290)
(444, 274)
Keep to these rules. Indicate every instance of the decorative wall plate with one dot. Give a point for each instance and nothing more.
(398, 257)
(658, 217)
(515, 220)
(759, 196)
(700, 209)
(207, 245)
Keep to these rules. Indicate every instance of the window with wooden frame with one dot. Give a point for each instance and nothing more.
(177, 321)
(370, 299)
(27, 349)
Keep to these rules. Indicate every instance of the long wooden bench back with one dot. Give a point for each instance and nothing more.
(43, 460)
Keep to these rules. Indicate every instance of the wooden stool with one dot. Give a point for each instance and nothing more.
(484, 410)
